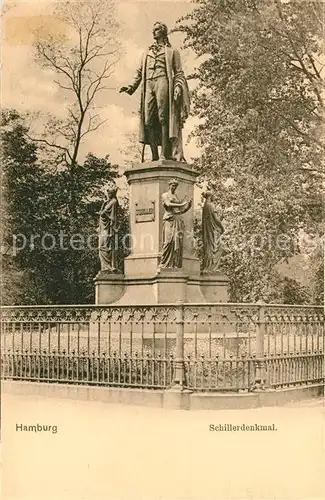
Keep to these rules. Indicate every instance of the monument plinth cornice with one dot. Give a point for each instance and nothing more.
(161, 169)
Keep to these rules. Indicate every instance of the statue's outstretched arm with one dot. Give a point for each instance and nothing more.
(175, 204)
(130, 89)
(187, 207)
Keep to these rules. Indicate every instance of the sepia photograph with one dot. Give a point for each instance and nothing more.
(162, 250)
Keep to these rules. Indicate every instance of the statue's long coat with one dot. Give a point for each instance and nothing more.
(177, 112)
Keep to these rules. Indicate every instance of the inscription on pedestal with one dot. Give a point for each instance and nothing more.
(145, 212)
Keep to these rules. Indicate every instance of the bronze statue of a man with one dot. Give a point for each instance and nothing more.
(165, 100)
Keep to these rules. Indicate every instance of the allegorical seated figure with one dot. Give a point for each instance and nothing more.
(165, 101)
(212, 229)
(108, 230)
(173, 227)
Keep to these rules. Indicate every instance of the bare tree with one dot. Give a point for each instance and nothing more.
(83, 61)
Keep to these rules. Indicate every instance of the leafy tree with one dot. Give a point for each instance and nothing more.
(22, 189)
(259, 95)
(317, 270)
(294, 292)
(72, 264)
(62, 260)
(319, 284)
(49, 263)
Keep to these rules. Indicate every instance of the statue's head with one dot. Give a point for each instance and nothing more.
(160, 32)
(173, 183)
(208, 195)
(110, 189)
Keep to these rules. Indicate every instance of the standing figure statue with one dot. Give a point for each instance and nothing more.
(212, 229)
(108, 230)
(173, 227)
(165, 100)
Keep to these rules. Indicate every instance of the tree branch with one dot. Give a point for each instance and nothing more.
(50, 144)
(63, 87)
(94, 87)
(53, 63)
(296, 128)
(95, 40)
(308, 74)
(313, 170)
(94, 128)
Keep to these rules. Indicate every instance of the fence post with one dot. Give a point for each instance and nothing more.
(179, 375)
(260, 335)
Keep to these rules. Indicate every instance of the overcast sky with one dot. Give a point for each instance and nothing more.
(27, 86)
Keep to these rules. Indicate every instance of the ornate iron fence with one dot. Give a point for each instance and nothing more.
(201, 347)
(293, 343)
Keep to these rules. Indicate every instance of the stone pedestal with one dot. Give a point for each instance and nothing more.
(148, 181)
(214, 287)
(109, 287)
(143, 281)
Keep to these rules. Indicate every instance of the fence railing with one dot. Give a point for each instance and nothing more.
(201, 347)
